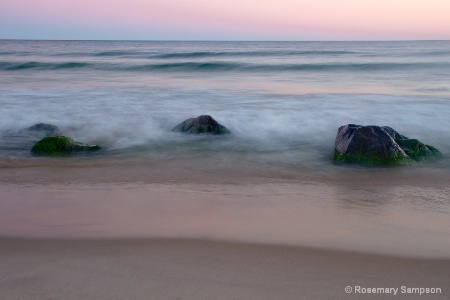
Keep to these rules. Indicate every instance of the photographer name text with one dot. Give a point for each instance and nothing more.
(357, 289)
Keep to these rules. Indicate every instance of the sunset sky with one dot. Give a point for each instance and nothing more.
(225, 20)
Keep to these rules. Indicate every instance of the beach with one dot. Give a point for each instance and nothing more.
(214, 241)
(201, 269)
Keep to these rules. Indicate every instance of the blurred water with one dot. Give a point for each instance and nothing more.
(283, 103)
(272, 96)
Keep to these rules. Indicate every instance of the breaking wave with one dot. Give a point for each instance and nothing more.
(220, 66)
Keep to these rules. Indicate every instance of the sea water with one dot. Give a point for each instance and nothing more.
(283, 103)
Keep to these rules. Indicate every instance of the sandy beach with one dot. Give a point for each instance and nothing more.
(297, 240)
(200, 269)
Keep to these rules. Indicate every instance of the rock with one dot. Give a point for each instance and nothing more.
(375, 145)
(201, 124)
(24, 139)
(42, 130)
(36, 132)
(60, 145)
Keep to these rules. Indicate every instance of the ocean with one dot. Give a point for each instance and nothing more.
(273, 180)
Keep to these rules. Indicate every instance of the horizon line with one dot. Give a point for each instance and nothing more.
(199, 40)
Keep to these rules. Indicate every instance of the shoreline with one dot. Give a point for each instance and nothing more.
(213, 169)
(203, 269)
(353, 218)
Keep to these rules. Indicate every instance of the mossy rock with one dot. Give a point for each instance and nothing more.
(372, 160)
(60, 145)
(378, 146)
(416, 149)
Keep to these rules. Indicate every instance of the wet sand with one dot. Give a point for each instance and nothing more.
(200, 269)
(360, 218)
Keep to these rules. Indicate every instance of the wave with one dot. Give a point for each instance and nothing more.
(223, 54)
(177, 55)
(227, 66)
(246, 54)
(8, 66)
(117, 53)
(12, 53)
(430, 54)
(191, 66)
(223, 66)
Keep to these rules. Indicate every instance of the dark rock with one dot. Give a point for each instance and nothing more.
(375, 145)
(37, 132)
(60, 145)
(201, 124)
(23, 139)
(42, 130)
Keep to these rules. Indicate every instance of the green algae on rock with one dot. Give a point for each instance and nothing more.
(416, 149)
(60, 145)
(375, 145)
(372, 160)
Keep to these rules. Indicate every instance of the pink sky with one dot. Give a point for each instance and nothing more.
(226, 20)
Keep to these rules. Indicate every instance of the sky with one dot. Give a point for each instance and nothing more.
(225, 20)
